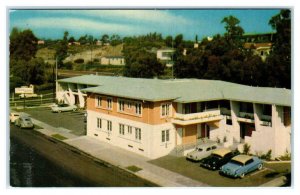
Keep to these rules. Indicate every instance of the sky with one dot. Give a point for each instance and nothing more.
(189, 22)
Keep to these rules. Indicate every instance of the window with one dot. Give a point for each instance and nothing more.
(214, 147)
(228, 121)
(165, 136)
(208, 149)
(121, 129)
(138, 134)
(121, 105)
(109, 103)
(165, 109)
(129, 105)
(99, 123)
(267, 109)
(138, 108)
(98, 101)
(109, 126)
(129, 129)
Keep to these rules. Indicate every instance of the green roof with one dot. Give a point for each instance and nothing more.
(181, 90)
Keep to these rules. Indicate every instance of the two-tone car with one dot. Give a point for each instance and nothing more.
(201, 151)
(240, 165)
(24, 122)
(63, 108)
(218, 158)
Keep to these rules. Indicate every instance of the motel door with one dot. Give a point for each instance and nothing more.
(179, 136)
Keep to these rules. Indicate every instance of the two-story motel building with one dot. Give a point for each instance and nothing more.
(154, 117)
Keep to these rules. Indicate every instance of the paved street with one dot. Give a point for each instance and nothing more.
(91, 171)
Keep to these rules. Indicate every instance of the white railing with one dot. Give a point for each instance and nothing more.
(199, 115)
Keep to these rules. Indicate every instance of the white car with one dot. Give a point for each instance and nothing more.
(63, 108)
(24, 122)
(202, 151)
(29, 95)
(13, 116)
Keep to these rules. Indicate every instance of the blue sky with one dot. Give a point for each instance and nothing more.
(53, 23)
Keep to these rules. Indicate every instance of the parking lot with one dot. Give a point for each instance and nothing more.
(213, 178)
(73, 121)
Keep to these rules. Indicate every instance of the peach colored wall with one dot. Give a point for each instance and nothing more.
(151, 113)
(190, 134)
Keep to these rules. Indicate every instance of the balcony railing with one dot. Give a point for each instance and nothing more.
(193, 118)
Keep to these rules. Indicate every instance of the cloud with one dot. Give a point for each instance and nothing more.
(134, 16)
(73, 24)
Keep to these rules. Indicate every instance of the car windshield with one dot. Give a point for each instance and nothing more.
(236, 162)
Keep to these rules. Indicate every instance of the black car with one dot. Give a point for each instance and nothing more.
(217, 159)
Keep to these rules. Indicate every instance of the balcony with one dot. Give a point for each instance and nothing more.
(194, 118)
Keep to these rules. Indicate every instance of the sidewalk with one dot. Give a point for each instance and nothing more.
(120, 158)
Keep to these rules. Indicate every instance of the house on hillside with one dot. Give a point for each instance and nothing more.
(259, 49)
(154, 117)
(41, 42)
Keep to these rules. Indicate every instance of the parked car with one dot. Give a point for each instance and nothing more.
(63, 108)
(201, 151)
(218, 158)
(240, 165)
(13, 116)
(29, 95)
(24, 122)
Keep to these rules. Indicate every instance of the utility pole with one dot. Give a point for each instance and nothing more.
(55, 76)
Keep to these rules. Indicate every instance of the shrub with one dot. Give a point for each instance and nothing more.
(267, 156)
(246, 148)
(79, 61)
(286, 156)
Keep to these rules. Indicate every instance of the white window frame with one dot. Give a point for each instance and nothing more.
(138, 108)
(99, 123)
(138, 134)
(121, 105)
(109, 103)
(121, 129)
(165, 109)
(97, 102)
(129, 129)
(165, 135)
(109, 125)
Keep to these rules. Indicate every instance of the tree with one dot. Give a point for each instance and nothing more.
(169, 41)
(72, 39)
(115, 40)
(143, 65)
(233, 30)
(62, 50)
(104, 38)
(178, 40)
(279, 60)
(23, 44)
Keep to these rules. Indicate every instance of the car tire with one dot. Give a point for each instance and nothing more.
(260, 166)
(242, 175)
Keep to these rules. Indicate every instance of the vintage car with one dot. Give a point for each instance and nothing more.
(218, 158)
(13, 116)
(63, 108)
(240, 165)
(24, 122)
(201, 151)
